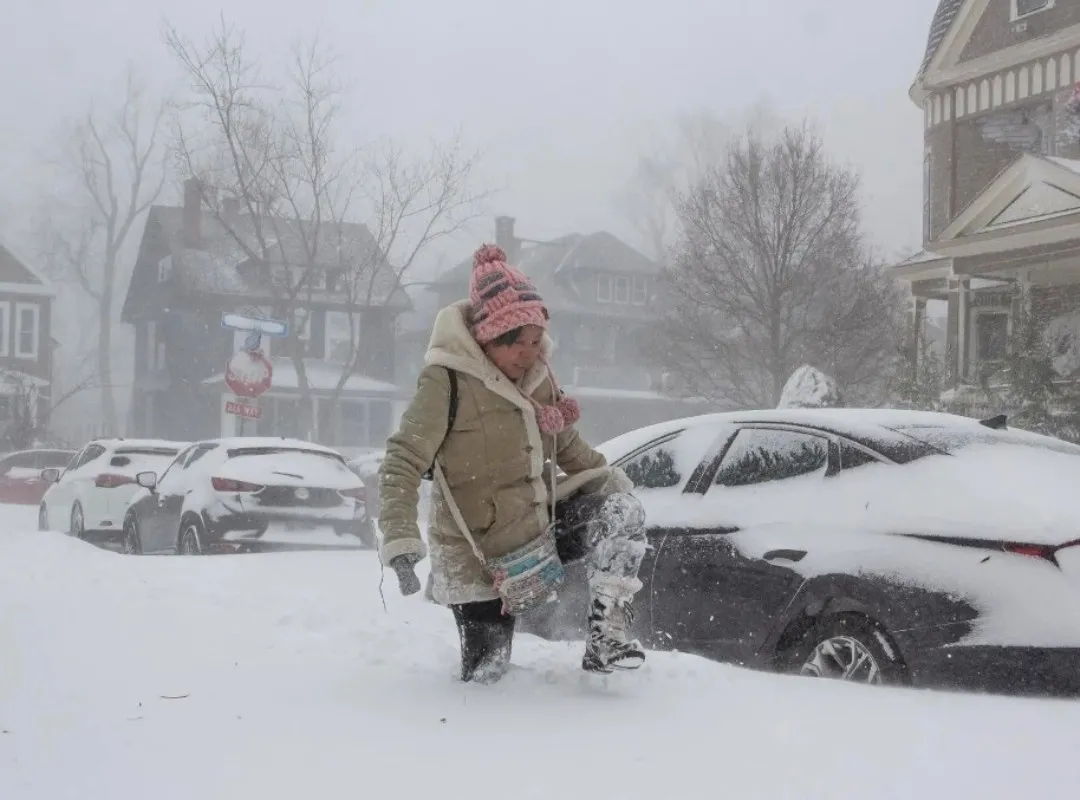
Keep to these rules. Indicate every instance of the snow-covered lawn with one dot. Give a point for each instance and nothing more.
(281, 676)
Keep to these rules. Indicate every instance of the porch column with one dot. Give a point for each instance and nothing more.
(953, 344)
(916, 315)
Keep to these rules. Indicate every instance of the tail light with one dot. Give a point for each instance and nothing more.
(110, 481)
(355, 494)
(230, 485)
(1043, 551)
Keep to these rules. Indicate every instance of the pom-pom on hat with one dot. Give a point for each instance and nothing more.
(502, 297)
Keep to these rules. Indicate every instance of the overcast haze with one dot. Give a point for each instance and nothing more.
(563, 94)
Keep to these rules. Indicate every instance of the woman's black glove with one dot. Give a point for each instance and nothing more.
(403, 567)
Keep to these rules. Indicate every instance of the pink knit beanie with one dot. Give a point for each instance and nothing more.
(504, 299)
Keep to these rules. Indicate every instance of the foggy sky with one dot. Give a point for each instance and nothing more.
(563, 93)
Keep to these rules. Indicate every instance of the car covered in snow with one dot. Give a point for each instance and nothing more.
(20, 474)
(89, 497)
(879, 546)
(246, 494)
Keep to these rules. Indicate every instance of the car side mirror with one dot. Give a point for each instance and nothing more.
(50, 475)
(147, 480)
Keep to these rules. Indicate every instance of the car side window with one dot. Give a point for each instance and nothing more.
(852, 457)
(674, 459)
(176, 465)
(760, 455)
(91, 452)
(199, 453)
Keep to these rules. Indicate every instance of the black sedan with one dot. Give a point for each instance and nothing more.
(887, 547)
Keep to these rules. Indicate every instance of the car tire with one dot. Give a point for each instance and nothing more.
(191, 539)
(849, 647)
(132, 544)
(43, 518)
(77, 527)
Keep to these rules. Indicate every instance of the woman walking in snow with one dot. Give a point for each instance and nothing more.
(491, 422)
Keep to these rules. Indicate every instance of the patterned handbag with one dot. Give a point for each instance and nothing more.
(525, 578)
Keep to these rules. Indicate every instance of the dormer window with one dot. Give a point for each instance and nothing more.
(1025, 8)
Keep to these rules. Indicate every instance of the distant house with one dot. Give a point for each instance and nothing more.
(189, 271)
(602, 295)
(999, 87)
(26, 344)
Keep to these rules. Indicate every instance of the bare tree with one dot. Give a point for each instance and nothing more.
(771, 272)
(674, 159)
(115, 162)
(314, 222)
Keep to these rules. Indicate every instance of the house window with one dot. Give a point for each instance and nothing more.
(991, 336)
(155, 348)
(340, 331)
(603, 288)
(1024, 8)
(622, 289)
(26, 330)
(641, 291)
(5, 328)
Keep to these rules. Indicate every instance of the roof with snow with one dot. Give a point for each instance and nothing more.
(939, 28)
(17, 270)
(220, 265)
(550, 266)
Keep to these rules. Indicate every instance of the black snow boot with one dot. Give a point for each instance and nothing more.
(486, 636)
(608, 645)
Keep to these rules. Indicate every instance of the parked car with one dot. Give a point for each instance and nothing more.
(246, 494)
(867, 545)
(20, 474)
(89, 497)
(365, 466)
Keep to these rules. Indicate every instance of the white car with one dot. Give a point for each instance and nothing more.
(247, 494)
(89, 498)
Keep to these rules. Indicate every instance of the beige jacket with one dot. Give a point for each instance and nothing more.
(495, 460)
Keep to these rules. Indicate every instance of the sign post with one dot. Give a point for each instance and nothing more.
(249, 373)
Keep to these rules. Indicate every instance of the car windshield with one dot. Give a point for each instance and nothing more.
(953, 440)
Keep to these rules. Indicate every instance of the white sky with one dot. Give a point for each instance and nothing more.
(562, 93)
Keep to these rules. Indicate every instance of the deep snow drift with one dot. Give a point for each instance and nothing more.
(281, 676)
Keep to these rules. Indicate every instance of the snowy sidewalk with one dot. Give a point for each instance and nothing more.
(280, 676)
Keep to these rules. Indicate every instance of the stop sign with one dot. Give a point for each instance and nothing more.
(248, 373)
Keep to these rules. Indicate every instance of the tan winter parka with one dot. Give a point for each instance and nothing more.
(495, 459)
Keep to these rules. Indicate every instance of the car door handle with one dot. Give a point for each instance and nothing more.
(786, 555)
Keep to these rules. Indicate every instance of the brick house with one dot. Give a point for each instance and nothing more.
(603, 297)
(999, 86)
(189, 271)
(26, 344)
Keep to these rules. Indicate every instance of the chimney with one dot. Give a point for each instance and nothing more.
(504, 236)
(192, 230)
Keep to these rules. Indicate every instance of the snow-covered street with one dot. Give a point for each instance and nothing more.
(281, 676)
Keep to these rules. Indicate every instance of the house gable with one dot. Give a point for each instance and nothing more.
(972, 38)
(997, 31)
(1033, 196)
(17, 276)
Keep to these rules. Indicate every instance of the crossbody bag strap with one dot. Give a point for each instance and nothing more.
(455, 512)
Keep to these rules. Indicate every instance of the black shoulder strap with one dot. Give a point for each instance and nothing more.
(451, 415)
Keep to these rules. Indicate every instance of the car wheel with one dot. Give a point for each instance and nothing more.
(191, 539)
(132, 540)
(42, 518)
(849, 647)
(78, 523)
